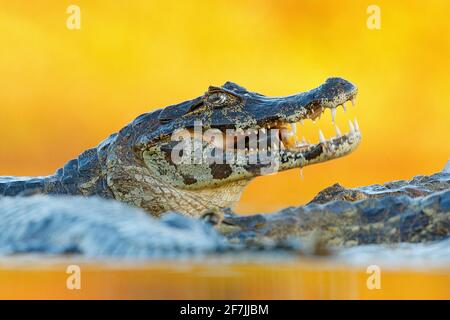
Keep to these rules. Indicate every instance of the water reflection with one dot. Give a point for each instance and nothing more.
(407, 271)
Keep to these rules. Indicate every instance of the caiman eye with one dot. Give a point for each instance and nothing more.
(217, 98)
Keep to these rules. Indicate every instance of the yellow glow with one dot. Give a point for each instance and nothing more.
(308, 279)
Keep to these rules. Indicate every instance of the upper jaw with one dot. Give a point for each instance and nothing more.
(288, 113)
(266, 112)
(292, 111)
(333, 93)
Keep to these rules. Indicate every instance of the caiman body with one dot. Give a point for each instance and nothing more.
(136, 165)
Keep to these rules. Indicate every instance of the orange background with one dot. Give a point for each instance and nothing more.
(218, 279)
(62, 91)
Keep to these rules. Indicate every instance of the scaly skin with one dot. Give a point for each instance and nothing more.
(136, 165)
(400, 211)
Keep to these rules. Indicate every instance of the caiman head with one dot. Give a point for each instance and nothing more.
(201, 153)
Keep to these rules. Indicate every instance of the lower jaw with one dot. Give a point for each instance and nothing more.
(281, 160)
(321, 152)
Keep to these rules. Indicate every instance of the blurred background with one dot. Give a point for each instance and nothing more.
(63, 91)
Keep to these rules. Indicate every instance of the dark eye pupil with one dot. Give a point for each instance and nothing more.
(217, 98)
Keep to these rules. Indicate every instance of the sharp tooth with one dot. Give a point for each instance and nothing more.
(344, 107)
(353, 100)
(321, 137)
(352, 128)
(301, 173)
(304, 141)
(301, 122)
(286, 133)
(333, 114)
(356, 125)
(338, 132)
(263, 130)
(294, 128)
(268, 148)
(275, 146)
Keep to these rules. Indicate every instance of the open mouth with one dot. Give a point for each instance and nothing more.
(293, 140)
(270, 131)
(287, 140)
(297, 151)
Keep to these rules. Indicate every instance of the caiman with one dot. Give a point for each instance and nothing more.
(136, 165)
